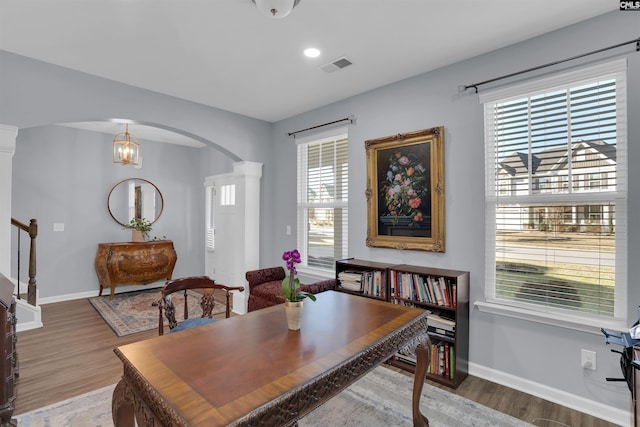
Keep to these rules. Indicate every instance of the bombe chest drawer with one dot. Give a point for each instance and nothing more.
(134, 263)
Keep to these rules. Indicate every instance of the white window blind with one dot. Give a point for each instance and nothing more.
(323, 187)
(211, 218)
(556, 193)
(228, 195)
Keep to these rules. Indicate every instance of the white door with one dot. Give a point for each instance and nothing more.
(233, 228)
(221, 211)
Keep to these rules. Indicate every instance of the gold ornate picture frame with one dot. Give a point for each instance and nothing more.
(405, 191)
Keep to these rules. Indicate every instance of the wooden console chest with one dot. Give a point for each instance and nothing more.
(134, 263)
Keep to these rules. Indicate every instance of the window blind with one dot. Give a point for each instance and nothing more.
(323, 188)
(211, 215)
(556, 192)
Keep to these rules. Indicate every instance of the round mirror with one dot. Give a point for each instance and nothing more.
(135, 198)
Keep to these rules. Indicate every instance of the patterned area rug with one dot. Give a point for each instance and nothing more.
(132, 312)
(382, 398)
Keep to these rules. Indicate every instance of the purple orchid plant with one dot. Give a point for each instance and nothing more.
(291, 284)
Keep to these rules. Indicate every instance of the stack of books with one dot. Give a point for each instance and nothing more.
(351, 280)
(440, 326)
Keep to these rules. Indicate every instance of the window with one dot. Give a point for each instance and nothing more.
(228, 195)
(323, 187)
(556, 242)
(227, 198)
(211, 218)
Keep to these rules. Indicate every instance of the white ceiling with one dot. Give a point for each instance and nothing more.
(229, 55)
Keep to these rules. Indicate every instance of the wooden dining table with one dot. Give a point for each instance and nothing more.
(251, 370)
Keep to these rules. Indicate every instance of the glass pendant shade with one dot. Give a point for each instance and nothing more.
(126, 148)
(276, 8)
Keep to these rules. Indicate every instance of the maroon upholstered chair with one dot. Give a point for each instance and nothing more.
(202, 285)
(265, 287)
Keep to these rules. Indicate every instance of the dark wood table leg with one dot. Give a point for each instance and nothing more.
(122, 409)
(422, 355)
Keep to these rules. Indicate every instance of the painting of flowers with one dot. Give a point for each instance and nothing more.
(405, 191)
(404, 186)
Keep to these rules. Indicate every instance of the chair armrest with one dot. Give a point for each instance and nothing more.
(321, 286)
(232, 288)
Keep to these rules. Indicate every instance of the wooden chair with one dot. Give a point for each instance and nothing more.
(202, 284)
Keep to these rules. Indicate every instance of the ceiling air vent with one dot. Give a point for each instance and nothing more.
(336, 65)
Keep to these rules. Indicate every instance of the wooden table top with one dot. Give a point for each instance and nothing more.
(219, 373)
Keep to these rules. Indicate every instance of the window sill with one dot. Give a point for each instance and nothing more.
(314, 274)
(592, 325)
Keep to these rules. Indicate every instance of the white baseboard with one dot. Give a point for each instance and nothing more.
(26, 326)
(578, 403)
(28, 316)
(91, 294)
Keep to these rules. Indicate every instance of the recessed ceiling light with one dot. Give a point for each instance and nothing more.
(312, 52)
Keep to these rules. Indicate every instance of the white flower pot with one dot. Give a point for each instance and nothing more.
(293, 309)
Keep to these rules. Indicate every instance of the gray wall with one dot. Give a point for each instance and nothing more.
(63, 175)
(528, 351)
(36, 94)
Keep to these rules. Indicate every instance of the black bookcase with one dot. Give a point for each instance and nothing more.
(449, 311)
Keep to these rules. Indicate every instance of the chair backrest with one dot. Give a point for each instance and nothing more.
(203, 285)
(264, 275)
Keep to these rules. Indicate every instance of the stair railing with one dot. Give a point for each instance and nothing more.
(32, 229)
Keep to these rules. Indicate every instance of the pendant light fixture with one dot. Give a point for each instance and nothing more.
(276, 8)
(126, 148)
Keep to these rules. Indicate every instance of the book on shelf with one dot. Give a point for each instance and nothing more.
(442, 360)
(392, 284)
(444, 333)
(351, 280)
(420, 288)
(445, 292)
(367, 282)
(446, 359)
(454, 295)
(423, 288)
(406, 359)
(436, 290)
(438, 321)
(378, 287)
(452, 361)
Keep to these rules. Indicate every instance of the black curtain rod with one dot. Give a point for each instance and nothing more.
(350, 118)
(475, 85)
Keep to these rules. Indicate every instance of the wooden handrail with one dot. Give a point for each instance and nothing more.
(19, 224)
(32, 229)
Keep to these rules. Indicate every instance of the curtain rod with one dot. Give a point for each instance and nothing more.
(351, 119)
(475, 85)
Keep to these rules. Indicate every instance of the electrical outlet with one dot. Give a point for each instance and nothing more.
(588, 359)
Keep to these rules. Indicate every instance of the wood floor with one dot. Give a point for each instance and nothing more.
(73, 354)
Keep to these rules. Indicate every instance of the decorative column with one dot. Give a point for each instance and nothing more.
(248, 175)
(8, 136)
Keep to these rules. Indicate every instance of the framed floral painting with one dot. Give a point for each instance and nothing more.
(405, 191)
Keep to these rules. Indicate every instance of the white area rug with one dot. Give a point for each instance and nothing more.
(380, 399)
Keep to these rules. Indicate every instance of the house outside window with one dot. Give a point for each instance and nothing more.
(323, 187)
(594, 181)
(556, 242)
